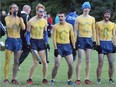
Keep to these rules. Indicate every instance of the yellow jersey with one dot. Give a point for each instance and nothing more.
(37, 27)
(86, 26)
(14, 31)
(105, 30)
(62, 32)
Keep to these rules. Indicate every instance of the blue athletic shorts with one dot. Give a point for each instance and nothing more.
(84, 43)
(64, 49)
(14, 44)
(38, 44)
(107, 47)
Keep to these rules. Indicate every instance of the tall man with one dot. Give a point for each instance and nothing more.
(85, 25)
(62, 47)
(25, 15)
(106, 30)
(36, 29)
(13, 42)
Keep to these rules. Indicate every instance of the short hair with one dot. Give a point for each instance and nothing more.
(40, 6)
(72, 8)
(62, 12)
(26, 6)
(12, 5)
(107, 11)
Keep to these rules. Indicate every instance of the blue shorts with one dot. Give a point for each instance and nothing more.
(64, 49)
(84, 43)
(14, 44)
(38, 44)
(107, 47)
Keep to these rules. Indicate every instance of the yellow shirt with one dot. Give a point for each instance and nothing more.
(14, 31)
(86, 26)
(62, 32)
(37, 28)
(105, 30)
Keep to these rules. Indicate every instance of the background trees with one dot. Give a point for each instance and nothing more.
(54, 6)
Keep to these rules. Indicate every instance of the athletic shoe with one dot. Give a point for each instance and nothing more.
(70, 82)
(19, 69)
(98, 81)
(52, 82)
(111, 81)
(6, 81)
(78, 82)
(14, 81)
(45, 81)
(88, 82)
(29, 82)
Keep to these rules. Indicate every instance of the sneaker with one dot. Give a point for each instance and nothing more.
(88, 82)
(29, 82)
(98, 81)
(52, 82)
(78, 82)
(19, 69)
(70, 82)
(111, 81)
(45, 81)
(6, 81)
(14, 81)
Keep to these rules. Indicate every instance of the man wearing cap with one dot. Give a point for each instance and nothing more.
(85, 25)
(106, 30)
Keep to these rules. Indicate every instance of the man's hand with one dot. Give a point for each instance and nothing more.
(19, 14)
(29, 46)
(56, 53)
(48, 46)
(74, 52)
(94, 45)
(99, 49)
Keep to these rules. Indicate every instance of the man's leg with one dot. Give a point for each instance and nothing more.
(45, 65)
(87, 68)
(111, 65)
(15, 66)
(69, 60)
(100, 64)
(78, 66)
(7, 61)
(56, 66)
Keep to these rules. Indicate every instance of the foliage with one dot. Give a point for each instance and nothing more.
(54, 6)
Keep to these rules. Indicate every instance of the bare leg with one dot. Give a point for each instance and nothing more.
(100, 64)
(69, 60)
(56, 66)
(78, 66)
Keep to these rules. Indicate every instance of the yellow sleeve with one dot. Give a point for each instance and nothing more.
(94, 30)
(8, 22)
(54, 37)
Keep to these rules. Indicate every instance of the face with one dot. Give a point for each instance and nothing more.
(40, 12)
(61, 17)
(28, 11)
(107, 16)
(14, 8)
(86, 10)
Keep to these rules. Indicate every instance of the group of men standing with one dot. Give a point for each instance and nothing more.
(83, 34)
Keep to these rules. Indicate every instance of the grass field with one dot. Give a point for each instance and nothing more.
(61, 77)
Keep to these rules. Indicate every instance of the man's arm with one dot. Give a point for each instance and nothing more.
(54, 37)
(94, 31)
(22, 23)
(75, 29)
(9, 23)
(114, 35)
(97, 34)
(72, 37)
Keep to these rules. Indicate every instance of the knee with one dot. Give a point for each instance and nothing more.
(100, 64)
(57, 66)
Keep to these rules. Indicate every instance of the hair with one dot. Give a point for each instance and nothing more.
(107, 11)
(72, 8)
(62, 12)
(26, 6)
(40, 6)
(11, 7)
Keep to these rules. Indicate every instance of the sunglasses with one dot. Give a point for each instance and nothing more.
(41, 11)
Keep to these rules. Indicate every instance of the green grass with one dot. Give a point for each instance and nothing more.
(61, 77)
